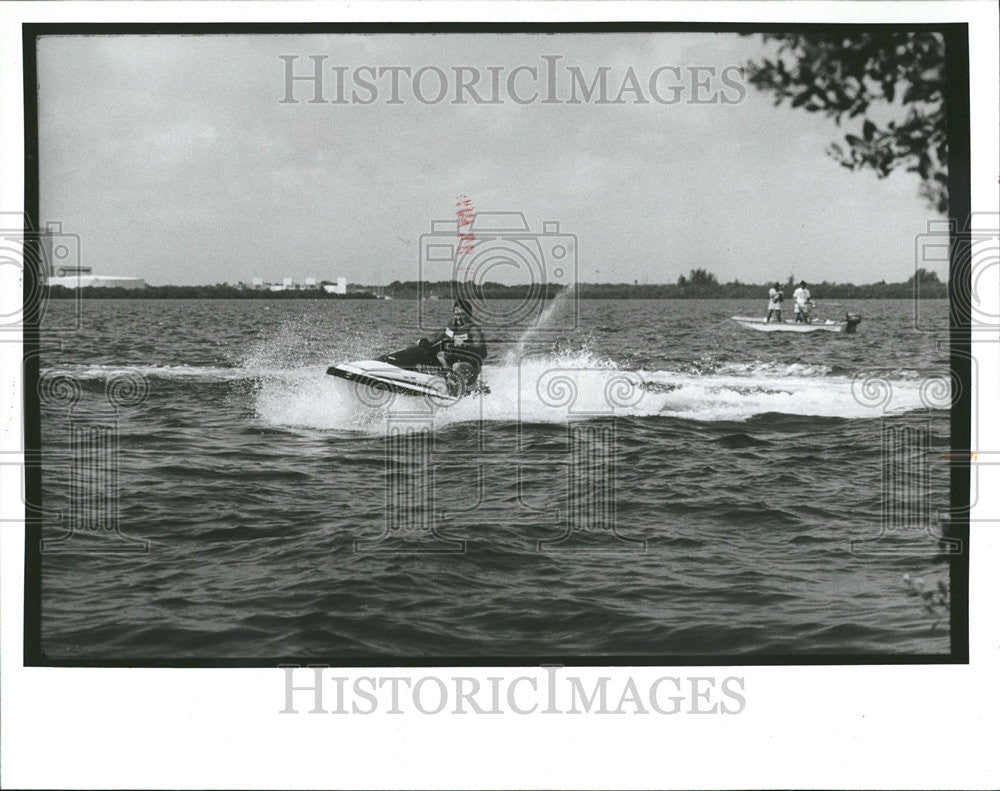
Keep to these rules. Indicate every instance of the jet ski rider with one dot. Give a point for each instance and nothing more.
(461, 345)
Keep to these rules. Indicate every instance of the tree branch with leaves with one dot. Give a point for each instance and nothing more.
(846, 75)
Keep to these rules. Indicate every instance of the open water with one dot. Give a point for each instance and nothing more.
(645, 478)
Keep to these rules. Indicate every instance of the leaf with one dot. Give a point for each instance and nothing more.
(801, 99)
(868, 130)
(925, 165)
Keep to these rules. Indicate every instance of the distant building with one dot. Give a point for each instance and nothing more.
(340, 288)
(286, 284)
(98, 281)
(61, 264)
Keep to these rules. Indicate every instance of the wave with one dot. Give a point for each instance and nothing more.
(201, 372)
(558, 388)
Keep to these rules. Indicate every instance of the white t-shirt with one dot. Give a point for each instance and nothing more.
(802, 297)
(773, 303)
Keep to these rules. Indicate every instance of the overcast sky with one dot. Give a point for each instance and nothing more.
(175, 160)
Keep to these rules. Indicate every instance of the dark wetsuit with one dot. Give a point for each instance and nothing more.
(462, 343)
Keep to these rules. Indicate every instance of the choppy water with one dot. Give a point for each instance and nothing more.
(287, 514)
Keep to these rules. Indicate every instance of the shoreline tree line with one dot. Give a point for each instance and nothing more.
(697, 284)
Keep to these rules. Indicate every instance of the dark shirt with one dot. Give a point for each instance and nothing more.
(462, 343)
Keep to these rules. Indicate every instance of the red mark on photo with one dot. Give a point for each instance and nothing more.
(466, 213)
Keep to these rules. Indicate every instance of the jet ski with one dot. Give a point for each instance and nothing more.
(415, 371)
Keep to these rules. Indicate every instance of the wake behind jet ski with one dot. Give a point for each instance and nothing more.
(446, 366)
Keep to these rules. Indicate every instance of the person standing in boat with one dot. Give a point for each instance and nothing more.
(803, 303)
(775, 297)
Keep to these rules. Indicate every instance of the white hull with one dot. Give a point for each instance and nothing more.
(754, 323)
(385, 376)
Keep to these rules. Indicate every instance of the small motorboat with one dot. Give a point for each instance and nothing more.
(848, 324)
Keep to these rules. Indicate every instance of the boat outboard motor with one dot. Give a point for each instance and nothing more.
(853, 320)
